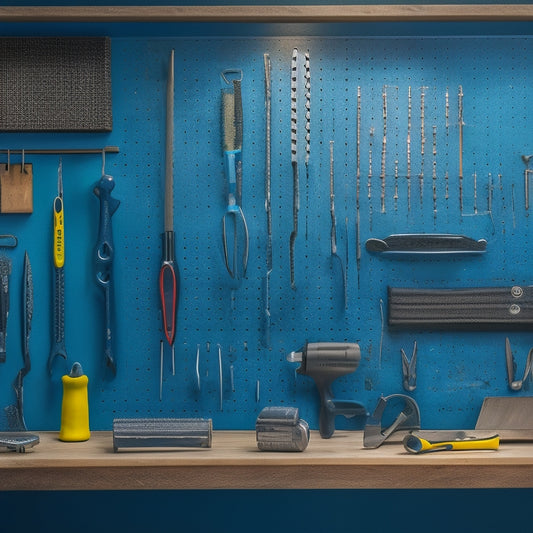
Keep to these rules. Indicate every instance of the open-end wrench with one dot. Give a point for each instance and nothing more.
(58, 320)
(104, 258)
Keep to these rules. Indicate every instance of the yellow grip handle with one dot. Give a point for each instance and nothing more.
(75, 410)
(417, 444)
(59, 233)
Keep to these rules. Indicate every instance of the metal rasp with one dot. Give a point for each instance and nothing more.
(5, 272)
(162, 433)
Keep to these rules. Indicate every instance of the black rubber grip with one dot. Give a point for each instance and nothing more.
(504, 308)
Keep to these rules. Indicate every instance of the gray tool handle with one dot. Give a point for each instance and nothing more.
(58, 320)
(162, 433)
(5, 271)
(506, 308)
(426, 243)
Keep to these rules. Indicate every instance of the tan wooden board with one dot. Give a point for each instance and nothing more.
(16, 188)
(235, 462)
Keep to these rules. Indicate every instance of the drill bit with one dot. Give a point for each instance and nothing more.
(294, 161)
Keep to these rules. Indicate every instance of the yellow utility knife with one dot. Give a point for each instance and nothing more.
(448, 441)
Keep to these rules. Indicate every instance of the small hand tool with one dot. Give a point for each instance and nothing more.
(409, 369)
(517, 384)
(333, 236)
(169, 275)
(527, 172)
(474, 308)
(280, 429)
(325, 362)
(5, 272)
(407, 419)
(455, 440)
(58, 252)
(15, 412)
(104, 254)
(233, 221)
(426, 243)
(162, 433)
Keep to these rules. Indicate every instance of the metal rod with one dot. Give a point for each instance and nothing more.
(66, 151)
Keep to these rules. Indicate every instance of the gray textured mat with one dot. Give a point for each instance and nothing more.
(55, 84)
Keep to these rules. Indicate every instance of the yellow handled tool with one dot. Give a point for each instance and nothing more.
(59, 229)
(414, 443)
(75, 406)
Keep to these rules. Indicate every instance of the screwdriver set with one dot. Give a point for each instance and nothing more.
(300, 186)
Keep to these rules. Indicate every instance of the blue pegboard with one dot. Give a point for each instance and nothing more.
(455, 371)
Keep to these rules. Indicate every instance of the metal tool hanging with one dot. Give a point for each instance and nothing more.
(295, 89)
(15, 412)
(336, 257)
(268, 206)
(104, 253)
(517, 384)
(58, 348)
(5, 271)
(235, 238)
(169, 274)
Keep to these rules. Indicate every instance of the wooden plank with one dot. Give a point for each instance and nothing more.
(235, 462)
(265, 13)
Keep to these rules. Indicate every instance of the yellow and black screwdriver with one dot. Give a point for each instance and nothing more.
(169, 274)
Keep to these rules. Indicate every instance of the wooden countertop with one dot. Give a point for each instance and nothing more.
(234, 462)
(269, 13)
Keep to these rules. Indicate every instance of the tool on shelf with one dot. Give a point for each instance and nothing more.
(324, 362)
(417, 443)
(409, 369)
(75, 406)
(295, 88)
(426, 243)
(517, 384)
(15, 412)
(280, 429)
(475, 308)
(235, 238)
(169, 274)
(5, 272)
(162, 433)
(407, 418)
(104, 254)
(18, 442)
(58, 348)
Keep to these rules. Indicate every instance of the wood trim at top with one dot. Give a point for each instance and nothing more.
(271, 14)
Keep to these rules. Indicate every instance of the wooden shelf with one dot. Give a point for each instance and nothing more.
(234, 462)
(266, 13)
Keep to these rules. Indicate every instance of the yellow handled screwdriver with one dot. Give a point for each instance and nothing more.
(58, 253)
(415, 443)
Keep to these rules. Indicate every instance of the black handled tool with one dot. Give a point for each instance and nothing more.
(325, 362)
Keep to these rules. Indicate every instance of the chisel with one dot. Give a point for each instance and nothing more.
(169, 275)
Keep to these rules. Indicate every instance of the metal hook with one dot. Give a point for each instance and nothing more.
(517, 384)
(231, 71)
(22, 169)
(409, 370)
(103, 162)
